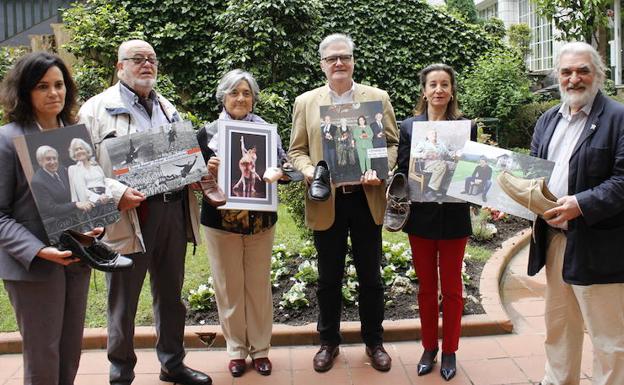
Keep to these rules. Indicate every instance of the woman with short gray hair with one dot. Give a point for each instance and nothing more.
(240, 242)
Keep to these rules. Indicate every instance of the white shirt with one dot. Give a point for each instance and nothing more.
(346, 97)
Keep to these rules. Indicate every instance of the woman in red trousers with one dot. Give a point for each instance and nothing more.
(438, 232)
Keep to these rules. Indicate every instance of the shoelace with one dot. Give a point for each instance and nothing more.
(399, 204)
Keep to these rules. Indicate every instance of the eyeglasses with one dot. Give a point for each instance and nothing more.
(140, 60)
(345, 59)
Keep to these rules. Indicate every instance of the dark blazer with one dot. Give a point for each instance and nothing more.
(332, 132)
(432, 220)
(21, 231)
(53, 199)
(377, 142)
(595, 240)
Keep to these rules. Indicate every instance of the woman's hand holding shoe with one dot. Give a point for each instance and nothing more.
(55, 255)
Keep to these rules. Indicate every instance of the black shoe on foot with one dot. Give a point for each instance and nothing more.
(185, 376)
(427, 361)
(448, 368)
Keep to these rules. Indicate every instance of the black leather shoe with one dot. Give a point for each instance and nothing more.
(398, 204)
(427, 361)
(320, 188)
(448, 368)
(262, 365)
(237, 367)
(185, 376)
(380, 359)
(324, 358)
(94, 252)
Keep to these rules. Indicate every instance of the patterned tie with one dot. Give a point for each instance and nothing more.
(58, 179)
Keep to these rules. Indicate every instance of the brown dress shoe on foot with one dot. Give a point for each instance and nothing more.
(380, 359)
(237, 367)
(324, 358)
(262, 365)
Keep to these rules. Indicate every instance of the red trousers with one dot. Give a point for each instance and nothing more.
(426, 262)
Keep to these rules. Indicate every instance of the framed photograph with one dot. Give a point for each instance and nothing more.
(475, 177)
(247, 149)
(67, 183)
(155, 161)
(434, 153)
(354, 141)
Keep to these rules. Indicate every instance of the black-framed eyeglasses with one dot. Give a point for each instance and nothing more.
(345, 59)
(140, 60)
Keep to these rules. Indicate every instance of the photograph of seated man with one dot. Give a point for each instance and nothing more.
(480, 181)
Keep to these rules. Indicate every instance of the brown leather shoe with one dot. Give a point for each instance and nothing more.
(237, 367)
(324, 358)
(211, 190)
(262, 365)
(380, 359)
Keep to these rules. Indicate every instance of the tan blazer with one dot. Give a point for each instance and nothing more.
(306, 149)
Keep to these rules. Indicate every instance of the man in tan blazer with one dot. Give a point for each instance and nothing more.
(354, 211)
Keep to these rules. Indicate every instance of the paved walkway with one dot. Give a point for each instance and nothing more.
(495, 360)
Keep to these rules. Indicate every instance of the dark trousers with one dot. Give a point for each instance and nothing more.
(353, 219)
(430, 256)
(163, 228)
(50, 315)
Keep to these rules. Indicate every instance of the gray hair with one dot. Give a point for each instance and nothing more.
(42, 150)
(335, 38)
(79, 142)
(578, 47)
(122, 52)
(230, 80)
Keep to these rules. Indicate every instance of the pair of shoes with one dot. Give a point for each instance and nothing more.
(324, 358)
(398, 205)
(185, 376)
(530, 193)
(237, 367)
(448, 367)
(320, 188)
(211, 190)
(93, 252)
(427, 361)
(262, 365)
(380, 359)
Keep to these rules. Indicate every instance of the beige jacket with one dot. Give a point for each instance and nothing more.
(306, 149)
(105, 115)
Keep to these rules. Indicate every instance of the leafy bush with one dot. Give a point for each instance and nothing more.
(295, 297)
(307, 272)
(8, 56)
(482, 229)
(349, 289)
(519, 128)
(520, 38)
(495, 87)
(397, 254)
(464, 8)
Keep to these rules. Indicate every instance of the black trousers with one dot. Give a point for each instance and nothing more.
(353, 219)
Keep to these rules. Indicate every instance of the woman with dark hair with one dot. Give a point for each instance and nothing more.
(47, 288)
(438, 233)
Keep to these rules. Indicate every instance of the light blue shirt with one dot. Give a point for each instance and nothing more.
(139, 114)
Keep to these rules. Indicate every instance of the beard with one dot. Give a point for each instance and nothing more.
(576, 99)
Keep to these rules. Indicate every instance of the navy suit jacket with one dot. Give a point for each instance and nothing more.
(53, 199)
(21, 231)
(432, 220)
(595, 240)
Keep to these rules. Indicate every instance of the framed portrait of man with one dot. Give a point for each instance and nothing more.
(354, 141)
(434, 153)
(68, 185)
(247, 149)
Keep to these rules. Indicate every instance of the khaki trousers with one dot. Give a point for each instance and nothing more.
(241, 271)
(599, 307)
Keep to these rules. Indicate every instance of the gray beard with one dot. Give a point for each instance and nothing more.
(578, 101)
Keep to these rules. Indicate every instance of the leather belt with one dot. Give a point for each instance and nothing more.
(169, 196)
(349, 188)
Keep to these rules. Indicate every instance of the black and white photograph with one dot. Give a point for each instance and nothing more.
(475, 177)
(67, 182)
(354, 141)
(247, 150)
(434, 152)
(158, 160)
